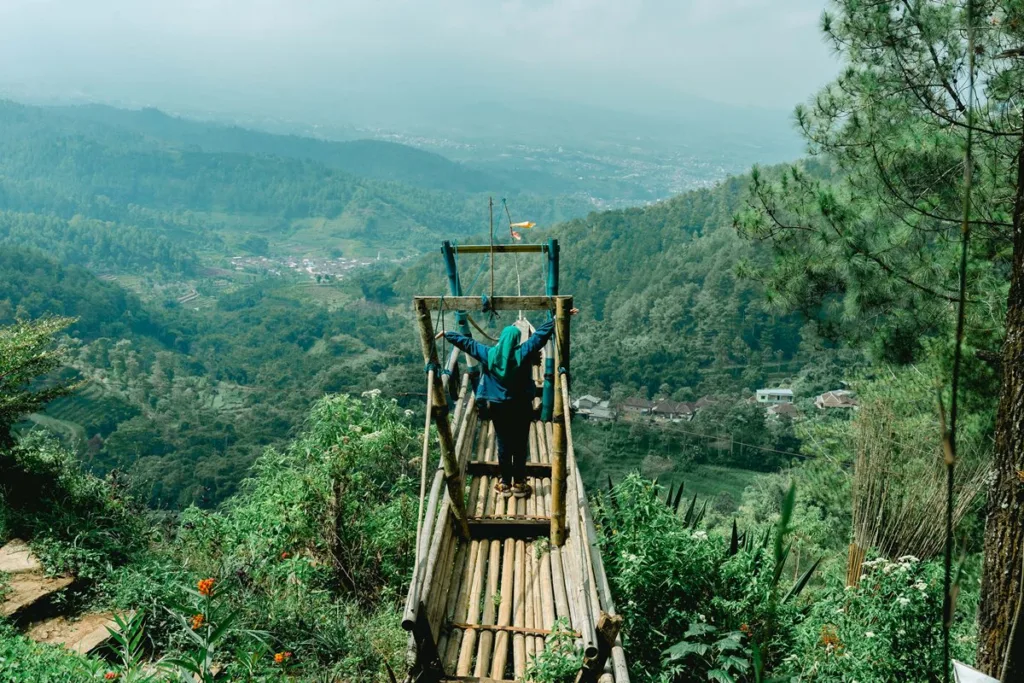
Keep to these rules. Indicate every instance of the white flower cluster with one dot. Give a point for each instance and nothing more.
(372, 393)
(700, 535)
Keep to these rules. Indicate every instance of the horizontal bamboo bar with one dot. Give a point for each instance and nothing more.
(498, 303)
(501, 248)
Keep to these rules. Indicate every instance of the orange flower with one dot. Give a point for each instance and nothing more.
(285, 555)
(829, 638)
(198, 621)
(280, 657)
(745, 628)
(110, 676)
(206, 587)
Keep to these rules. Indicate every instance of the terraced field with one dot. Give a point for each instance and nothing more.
(92, 409)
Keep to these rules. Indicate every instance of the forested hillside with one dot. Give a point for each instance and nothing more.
(53, 163)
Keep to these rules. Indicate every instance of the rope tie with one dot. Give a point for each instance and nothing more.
(432, 366)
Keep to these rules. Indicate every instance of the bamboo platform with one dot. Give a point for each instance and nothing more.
(494, 574)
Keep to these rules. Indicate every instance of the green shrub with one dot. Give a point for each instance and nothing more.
(693, 608)
(23, 661)
(315, 552)
(888, 628)
(76, 522)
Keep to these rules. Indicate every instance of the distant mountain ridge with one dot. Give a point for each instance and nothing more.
(367, 158)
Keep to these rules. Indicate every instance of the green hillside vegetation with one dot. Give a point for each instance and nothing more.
(67, 166)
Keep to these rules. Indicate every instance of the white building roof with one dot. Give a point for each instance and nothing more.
(780, 392)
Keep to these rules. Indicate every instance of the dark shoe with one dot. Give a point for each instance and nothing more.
(520, 490)
(503, 488)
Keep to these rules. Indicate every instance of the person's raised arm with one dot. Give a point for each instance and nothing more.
(540, 337)
(467, 344)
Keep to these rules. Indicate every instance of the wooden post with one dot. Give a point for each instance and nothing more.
(558, 471)
(449, 460)
(608, 627)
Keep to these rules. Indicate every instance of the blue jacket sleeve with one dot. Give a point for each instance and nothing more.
(538, 339)
(467, 344)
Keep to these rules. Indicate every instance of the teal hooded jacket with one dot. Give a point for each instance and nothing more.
(518, 384)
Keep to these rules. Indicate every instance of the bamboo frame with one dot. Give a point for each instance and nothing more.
(497, 303)
(439, 410)
(500, 248)
(558, 475)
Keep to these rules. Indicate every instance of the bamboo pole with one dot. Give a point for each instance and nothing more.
(473, 610)
(409, 618)
(448, 456)
(558, 470)
(558, 586)
(531, 602)
(581, 580)
(519, 614)
(547, 591)
(505, 608)
(484, 651)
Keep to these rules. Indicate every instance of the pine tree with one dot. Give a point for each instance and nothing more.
(867, 233)
(27, 354)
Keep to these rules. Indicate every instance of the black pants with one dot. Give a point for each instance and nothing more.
(512, 432)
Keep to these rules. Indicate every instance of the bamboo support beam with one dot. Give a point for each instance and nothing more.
(558, 472)
(500, 248)
(498, 303)
(449, 458)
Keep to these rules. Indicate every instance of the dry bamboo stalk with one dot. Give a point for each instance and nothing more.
(500, 655)
(519, 612)
(535, 441)
(547, 591)
(462, 606)
(458, 573)
(460, 403)
(440, 530)
(545, 445)
(538, 601)
(473, 611)
(439, 591)
(571, 573)
(529, 597)
(581, 563)
(558, 586)
(483, 654)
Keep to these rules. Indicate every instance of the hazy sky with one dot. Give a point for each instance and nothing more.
(310, 57)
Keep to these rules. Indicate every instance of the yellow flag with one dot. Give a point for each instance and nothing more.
(524, 224)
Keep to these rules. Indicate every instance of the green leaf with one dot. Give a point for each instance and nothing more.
(721, 676)
(801, 583)
(684, 648)
(782, 528)
(698, 628)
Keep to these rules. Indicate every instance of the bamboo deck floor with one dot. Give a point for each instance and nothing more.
(505, 594)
